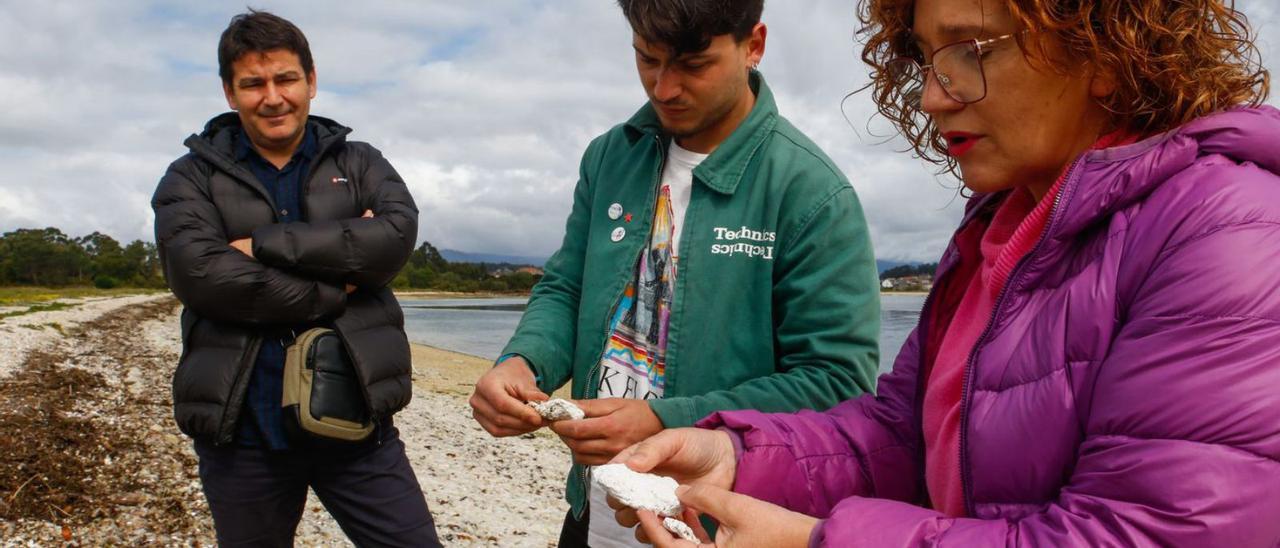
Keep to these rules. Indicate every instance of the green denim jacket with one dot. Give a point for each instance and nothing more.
(777, 301)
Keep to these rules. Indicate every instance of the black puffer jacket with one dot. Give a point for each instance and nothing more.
(298, 273)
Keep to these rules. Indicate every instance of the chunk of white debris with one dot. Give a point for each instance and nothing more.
(640, 491)
(680, 528)
(558, 410)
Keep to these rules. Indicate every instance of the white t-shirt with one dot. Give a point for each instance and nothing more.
(677, 175)
(603, 530)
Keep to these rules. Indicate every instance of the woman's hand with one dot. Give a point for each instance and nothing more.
(691, 456)
(744, 521)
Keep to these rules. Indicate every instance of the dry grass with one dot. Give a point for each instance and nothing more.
(31, 295)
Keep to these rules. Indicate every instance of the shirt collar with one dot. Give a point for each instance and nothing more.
(305, 151)
(724, 168)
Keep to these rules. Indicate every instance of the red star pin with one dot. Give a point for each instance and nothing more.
(627, 217)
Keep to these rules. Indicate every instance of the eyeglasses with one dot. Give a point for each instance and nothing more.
(957, 67)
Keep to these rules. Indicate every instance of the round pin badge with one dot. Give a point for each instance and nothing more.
(618, 234)
(615, 211)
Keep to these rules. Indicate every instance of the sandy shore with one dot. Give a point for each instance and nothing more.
(428, 294)
(112, 469)
(19, 335)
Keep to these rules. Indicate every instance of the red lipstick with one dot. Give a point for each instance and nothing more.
(959, 142)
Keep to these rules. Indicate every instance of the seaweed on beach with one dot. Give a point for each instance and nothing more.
(49, 456)
(79, 444)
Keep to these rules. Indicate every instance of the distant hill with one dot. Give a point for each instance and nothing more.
(455, 256)
(883, 265)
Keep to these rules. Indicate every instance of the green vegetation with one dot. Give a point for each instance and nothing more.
(37, 308)
(30, 295)
(906, 270)
(20, 301)
(47, 257)
(427, 269)
(38, 327)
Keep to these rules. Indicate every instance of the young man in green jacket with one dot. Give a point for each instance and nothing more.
(714, 259)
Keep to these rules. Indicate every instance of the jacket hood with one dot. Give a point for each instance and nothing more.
(216, 141)
(1102, 182)
(1109, 180)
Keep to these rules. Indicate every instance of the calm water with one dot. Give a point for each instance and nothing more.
(481, 327)
(898, 316)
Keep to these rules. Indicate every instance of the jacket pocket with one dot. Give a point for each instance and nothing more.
(208, 374)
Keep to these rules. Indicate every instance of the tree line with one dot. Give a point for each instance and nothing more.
(902, 271)
(427, 269)
(48, 257)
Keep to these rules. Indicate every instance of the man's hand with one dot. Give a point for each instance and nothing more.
(691, 456)
(744, 521)
(368, 214)
(244, 245)
(498, 402)
(612, 424)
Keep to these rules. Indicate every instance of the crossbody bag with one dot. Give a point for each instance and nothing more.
(322, 393)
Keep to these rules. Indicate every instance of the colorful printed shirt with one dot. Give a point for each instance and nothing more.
(633, 364)
(634, 361)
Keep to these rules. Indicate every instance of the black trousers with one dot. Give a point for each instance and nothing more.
(257, 496)
(573, 534)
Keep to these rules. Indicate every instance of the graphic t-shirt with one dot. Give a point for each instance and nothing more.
(634, 361)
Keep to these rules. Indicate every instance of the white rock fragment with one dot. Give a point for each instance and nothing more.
(558, 410)
(680, 528)
(640, 491)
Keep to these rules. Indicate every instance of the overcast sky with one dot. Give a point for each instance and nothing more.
(484, 107)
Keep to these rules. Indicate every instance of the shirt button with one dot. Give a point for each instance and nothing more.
(615, 211)
(284, 212)
(618, 234)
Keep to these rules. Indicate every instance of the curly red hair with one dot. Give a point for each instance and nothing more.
(1172, 60)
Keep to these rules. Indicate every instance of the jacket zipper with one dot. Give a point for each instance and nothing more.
(235, 171)
(966, 481)
(653, 200)
(322, 148)
(226, 433)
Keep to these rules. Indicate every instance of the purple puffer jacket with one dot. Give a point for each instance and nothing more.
(1125, 393)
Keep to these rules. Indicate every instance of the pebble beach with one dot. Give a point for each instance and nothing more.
(90, 456)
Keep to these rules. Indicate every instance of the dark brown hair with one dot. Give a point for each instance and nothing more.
(1173, 60)
(260, 31)
(688, 26)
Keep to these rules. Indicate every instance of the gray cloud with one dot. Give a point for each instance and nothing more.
(484, 108)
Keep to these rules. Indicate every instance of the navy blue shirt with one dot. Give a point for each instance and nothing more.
(262, 419)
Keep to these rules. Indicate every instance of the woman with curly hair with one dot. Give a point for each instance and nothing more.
(1099, 360)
